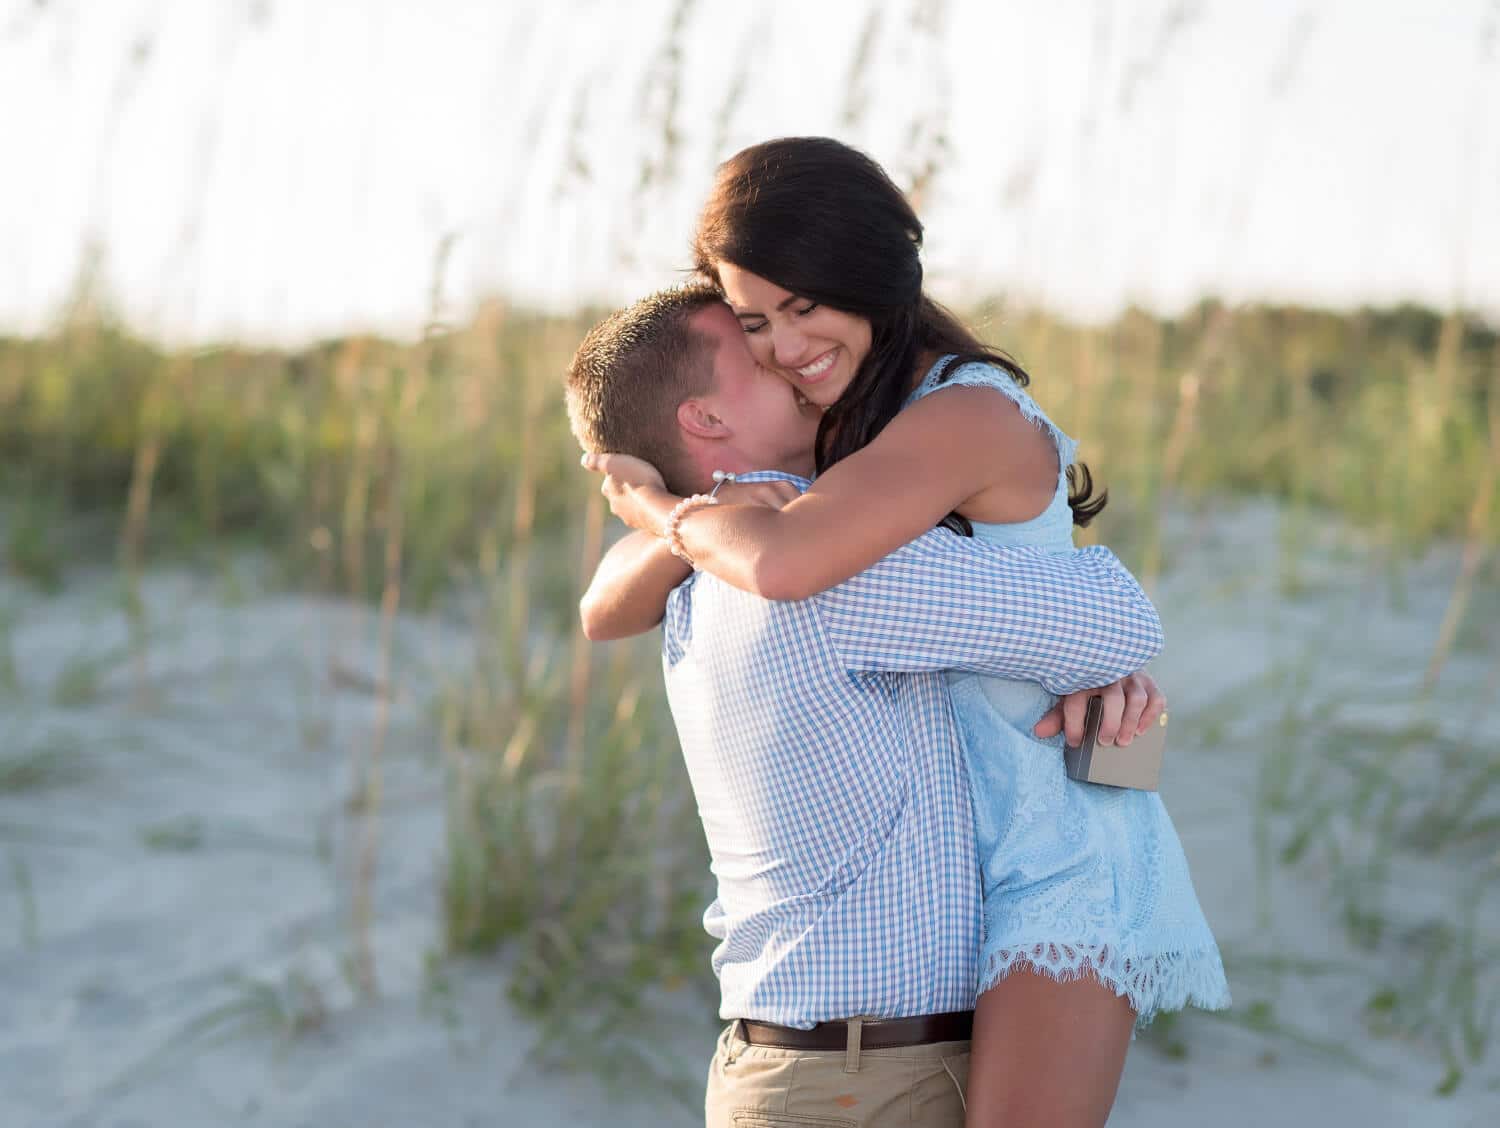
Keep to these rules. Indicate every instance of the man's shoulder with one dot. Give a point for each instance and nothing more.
(708, 615)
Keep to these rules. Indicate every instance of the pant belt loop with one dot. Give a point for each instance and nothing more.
(851, 1050)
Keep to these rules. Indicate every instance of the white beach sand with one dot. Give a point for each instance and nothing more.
(199, 854)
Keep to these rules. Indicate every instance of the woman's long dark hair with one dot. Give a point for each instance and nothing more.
(825, 222)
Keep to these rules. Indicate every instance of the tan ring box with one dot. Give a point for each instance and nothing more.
(1137, 764)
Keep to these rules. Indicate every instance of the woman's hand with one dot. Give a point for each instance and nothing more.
(626, 469)
(634, 489)
(1131, 706)
(638, 496)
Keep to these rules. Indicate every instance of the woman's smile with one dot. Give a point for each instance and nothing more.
(819, 368)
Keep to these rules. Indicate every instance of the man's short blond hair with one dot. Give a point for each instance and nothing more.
(631, 373)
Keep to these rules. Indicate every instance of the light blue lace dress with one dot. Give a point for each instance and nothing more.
(1078, 878)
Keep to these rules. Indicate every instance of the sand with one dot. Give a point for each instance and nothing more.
(192, 857)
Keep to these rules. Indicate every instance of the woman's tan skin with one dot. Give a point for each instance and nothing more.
(1052, 1053)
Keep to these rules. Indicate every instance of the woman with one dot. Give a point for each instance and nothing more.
(1091, 923)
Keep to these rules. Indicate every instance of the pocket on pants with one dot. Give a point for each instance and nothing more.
(763, 1118)
(957, 1067)
(939, 1095)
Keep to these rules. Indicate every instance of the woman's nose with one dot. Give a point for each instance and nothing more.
(789, 345)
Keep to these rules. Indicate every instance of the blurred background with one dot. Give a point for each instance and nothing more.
(315, 805)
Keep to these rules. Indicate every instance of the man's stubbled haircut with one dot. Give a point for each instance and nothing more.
(633, 370)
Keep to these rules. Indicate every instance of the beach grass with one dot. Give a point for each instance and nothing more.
(80, 681)
(439, 476)
(278, 1010)
(32, 757)
(10, 674)
(32, 547)
(1384, 416)
(1352, 799)
(28, 919)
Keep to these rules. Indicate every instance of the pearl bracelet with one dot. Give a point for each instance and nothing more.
(672, 531)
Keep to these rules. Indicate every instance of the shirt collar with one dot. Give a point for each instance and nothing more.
(797, 480)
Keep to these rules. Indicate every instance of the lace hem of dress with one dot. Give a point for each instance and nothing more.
(1166, 981)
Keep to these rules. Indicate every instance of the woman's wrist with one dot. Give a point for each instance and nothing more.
(672, 533)
(652, 507)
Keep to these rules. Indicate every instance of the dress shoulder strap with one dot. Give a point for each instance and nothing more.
(977, 374)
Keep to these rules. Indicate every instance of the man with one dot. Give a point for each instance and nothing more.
(818, 735)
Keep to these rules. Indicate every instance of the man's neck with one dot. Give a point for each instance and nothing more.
(706, 483)
(708, 457)
(707, 460)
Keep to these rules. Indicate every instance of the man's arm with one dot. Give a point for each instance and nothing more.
(628, 593)
(1070, 620)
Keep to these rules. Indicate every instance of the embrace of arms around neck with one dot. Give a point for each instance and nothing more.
(959, 449)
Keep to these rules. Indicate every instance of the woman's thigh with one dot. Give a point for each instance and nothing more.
(1046, 1053)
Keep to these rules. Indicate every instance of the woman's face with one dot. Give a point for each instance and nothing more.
(817, 348)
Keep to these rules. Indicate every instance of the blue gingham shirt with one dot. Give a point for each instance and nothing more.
(827, 768)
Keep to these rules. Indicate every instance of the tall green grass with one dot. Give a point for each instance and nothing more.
(1382, 415)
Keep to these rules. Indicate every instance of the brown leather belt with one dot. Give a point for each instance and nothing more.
(874, 1034)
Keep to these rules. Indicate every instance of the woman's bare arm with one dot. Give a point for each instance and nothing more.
(960, 448)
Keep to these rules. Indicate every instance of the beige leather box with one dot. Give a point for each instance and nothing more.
(1136, 765)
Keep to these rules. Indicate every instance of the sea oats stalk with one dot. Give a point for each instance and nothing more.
(1478, 539)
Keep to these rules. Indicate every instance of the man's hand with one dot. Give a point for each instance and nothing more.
(1131, 706)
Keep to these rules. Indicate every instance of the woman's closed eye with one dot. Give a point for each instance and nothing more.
(756, 326)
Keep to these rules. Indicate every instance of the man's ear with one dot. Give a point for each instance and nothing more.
(694, 417)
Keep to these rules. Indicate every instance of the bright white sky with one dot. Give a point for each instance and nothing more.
(276, 169)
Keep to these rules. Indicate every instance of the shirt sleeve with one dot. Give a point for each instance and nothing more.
(1070, 620)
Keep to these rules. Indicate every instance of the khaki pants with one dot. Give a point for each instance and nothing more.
(762, 1087)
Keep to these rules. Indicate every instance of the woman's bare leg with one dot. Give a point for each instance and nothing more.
(1046, 1054)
